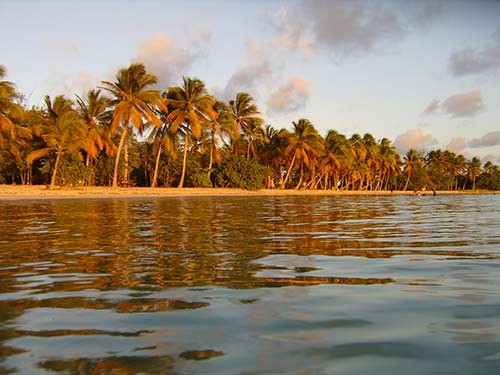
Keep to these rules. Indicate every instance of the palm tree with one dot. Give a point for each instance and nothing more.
(92, 109)
(63, 132)
(191, 110)
(413, 164)
(473, 170)
(222, 126)
(248, 118)
(304, 145)
(9, 111)
(163, 139)
(133, 105)
(390, 161)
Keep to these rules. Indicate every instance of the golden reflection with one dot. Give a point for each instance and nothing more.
(112, 366)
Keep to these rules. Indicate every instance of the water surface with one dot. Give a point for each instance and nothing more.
(251, 285)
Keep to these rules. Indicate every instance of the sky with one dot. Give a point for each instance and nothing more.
(424, 74)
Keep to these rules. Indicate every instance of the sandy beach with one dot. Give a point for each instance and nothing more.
(19, 192)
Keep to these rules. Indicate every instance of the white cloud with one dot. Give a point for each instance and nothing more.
(290, 97)
(414, 139)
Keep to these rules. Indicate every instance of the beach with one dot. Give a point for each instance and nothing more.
(18, 192)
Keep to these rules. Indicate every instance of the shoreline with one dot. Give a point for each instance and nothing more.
(35, 192)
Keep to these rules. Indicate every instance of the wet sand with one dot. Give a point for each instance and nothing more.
(17, 192)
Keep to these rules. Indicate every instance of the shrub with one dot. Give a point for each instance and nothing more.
(238, 172)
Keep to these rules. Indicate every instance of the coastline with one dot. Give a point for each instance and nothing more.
(30, 192)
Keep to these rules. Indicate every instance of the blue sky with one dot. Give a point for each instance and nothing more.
(425, 74)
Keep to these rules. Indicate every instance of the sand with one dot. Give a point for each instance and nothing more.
(21, 192)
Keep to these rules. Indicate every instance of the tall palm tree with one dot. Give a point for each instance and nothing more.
(473, 170)
(413, 163)
(223, 127)
(63, 132)
(390, 162)
(248, 118)
(92, 109)
(133, 105)
(191, 110)
(304, 145)
(163, 140)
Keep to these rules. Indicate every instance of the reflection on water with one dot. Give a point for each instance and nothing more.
(251, 285)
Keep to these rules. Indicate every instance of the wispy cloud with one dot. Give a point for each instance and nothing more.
(487, 140)
(163, 58)
(470, 61)
(456, 145)
(290, 97)
(468, 104)
(68, 48)
(432, 108)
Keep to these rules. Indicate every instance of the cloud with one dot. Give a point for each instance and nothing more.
(459, 105)
(61, 84)
(168, 62)
(350, 28)
(413, 139)
(68, 48)
(463, 105)
(456, 145)
(292, 32)
(469, 61)
(432, 107)
(487, 140)
(259, 69)
(424, 12)
(290, 97)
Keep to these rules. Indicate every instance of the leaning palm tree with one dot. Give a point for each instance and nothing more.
(191, 110)
(133, 105)
(248, 118)
(163, 140)
(62, 130)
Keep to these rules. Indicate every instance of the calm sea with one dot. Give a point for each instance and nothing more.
(251, 285)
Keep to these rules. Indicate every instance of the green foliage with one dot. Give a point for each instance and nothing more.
(238, 172)
(72, 172)
(199, 178)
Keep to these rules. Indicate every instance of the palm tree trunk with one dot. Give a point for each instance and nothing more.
(288, 172)
(56, 166)
(184, 160)
(211, 156)
(154, 183)
(248, 149)
(117, 159)
(407, 182)
(125, 165)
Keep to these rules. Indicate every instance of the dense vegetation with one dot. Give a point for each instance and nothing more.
(126, 133)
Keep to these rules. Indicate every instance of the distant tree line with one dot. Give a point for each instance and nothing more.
(125, 133)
